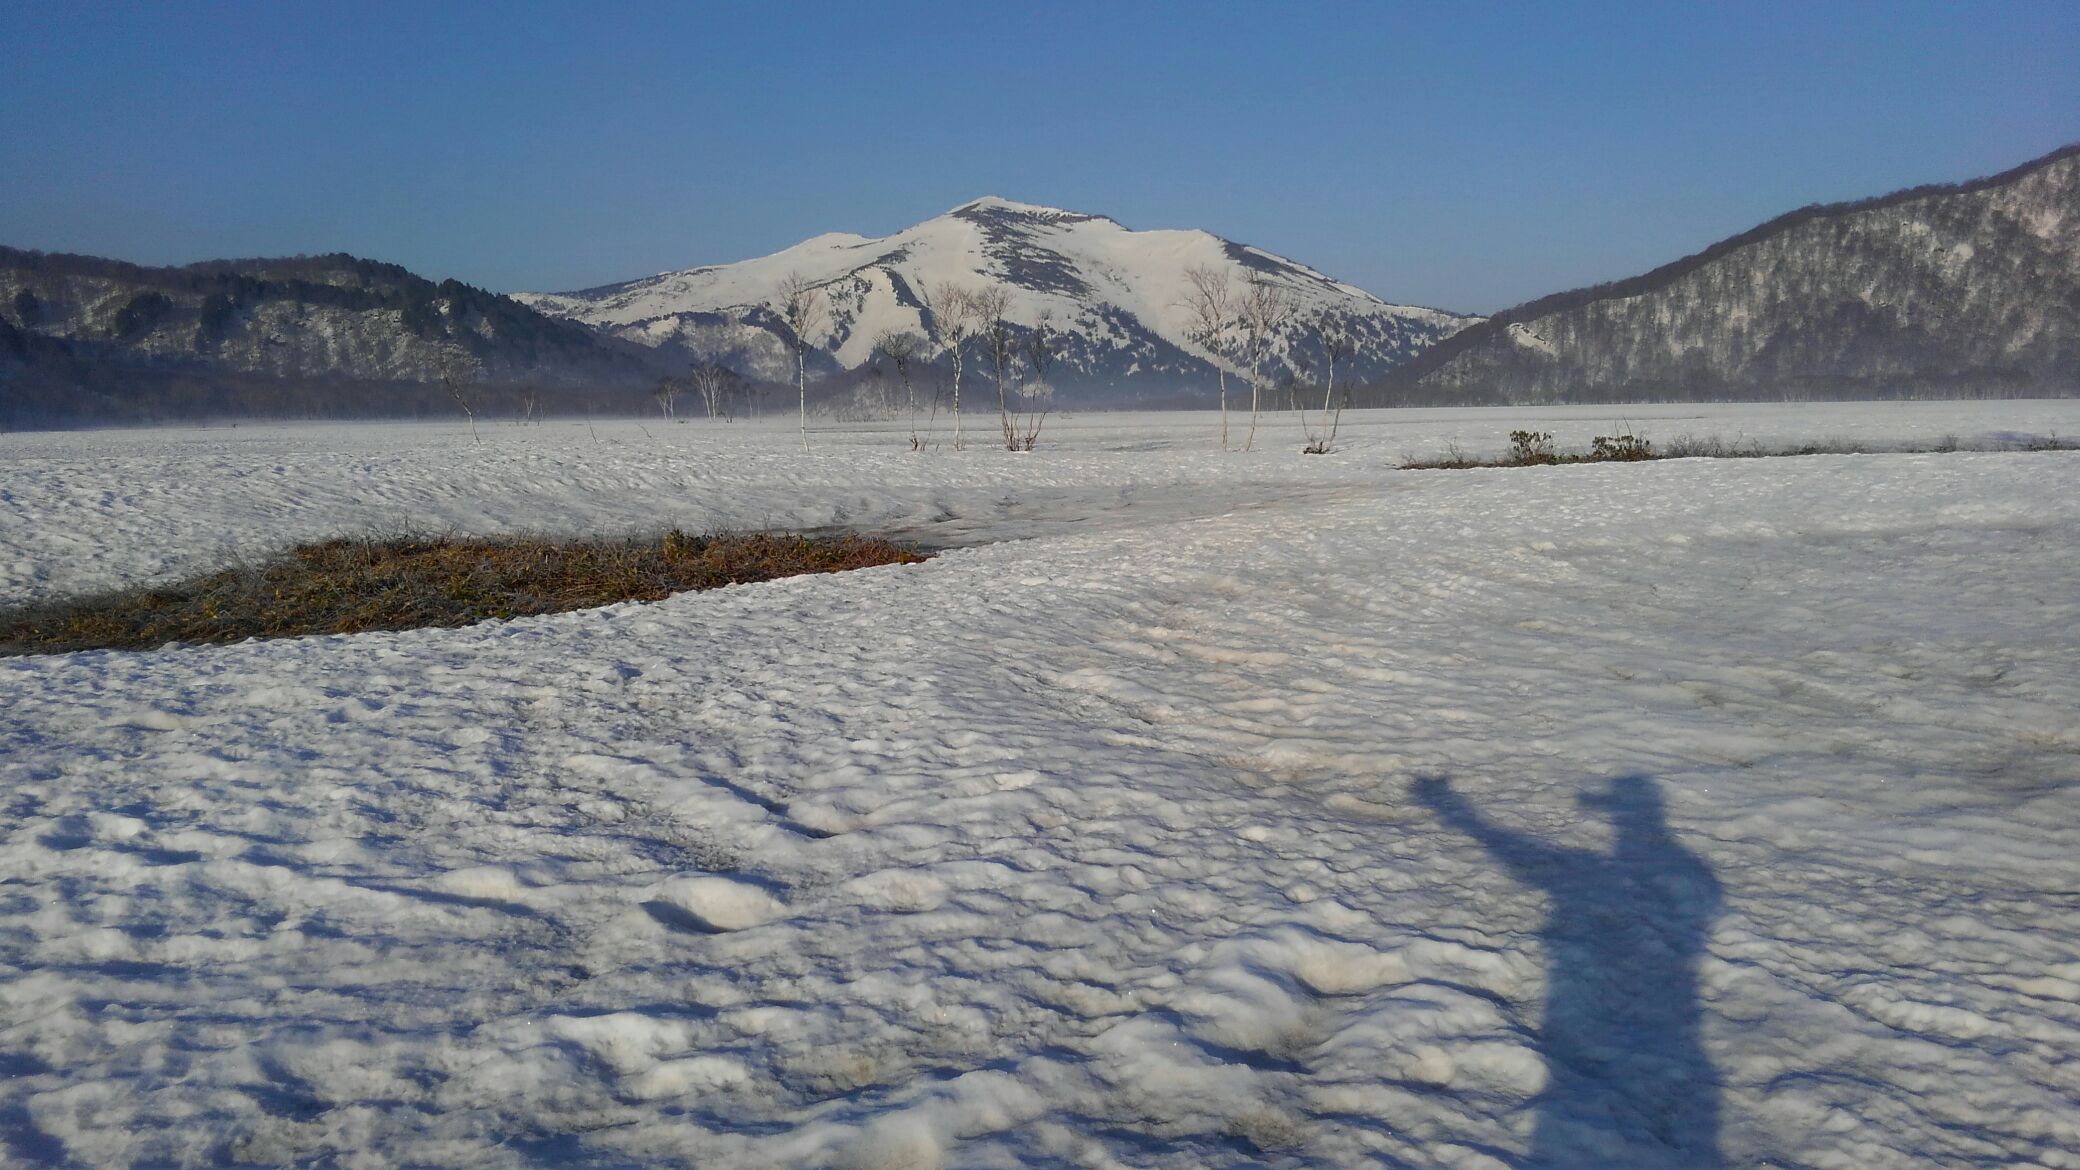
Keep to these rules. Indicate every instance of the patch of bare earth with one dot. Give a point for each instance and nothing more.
(348, 585)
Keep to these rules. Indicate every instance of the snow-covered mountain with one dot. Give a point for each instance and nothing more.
(1952, 291)
(1115, 298)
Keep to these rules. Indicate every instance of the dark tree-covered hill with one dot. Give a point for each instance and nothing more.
(1962, 290)
(85, 339)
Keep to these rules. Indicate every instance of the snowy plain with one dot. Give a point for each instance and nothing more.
(1193, 809)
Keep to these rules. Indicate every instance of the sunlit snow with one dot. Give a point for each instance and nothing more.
(1194, 809)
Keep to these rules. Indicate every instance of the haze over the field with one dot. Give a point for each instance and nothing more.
(1465, 157)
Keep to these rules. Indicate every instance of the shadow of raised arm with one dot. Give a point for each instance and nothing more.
(1521, 853)
(1629, 1082)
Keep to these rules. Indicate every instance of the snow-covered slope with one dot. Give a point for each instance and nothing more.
(1117, 296)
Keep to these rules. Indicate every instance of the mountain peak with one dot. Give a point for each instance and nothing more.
(999, 203)
(997, 209)
(835, 240)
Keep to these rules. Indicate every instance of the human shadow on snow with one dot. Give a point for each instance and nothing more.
(1628, 1082)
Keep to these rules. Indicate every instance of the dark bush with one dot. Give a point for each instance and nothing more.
(1530, 447)
(1619, 449)
(141, 314)
(27, 308)
(215, 321)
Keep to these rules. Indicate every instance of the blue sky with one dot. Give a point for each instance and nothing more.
(1467, 155)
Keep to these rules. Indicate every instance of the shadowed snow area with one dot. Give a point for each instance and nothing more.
(1258, 810)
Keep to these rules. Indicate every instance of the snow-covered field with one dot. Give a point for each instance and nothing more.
(1258, 809)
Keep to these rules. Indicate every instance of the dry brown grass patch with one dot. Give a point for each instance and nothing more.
(346, 586)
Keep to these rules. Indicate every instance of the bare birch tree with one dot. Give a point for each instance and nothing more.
(459, 370)
(1264, 310)
(1035, 393)
(901, 347)
(1210, 300)
(667, 393)
(803, 307)
(953, 312)
(992, 303)
(711, 380)
(1339, 342)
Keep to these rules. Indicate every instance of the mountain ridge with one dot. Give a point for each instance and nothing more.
(1517, 329)
(1964, 288)
(90, 338)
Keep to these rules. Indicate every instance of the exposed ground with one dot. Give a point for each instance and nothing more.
(354, 585)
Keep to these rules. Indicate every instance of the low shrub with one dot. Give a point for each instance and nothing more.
(1535, 448)
(1619, 449)
(1527, 448)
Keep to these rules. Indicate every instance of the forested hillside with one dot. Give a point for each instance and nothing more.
(89, 339)
(1964, 290)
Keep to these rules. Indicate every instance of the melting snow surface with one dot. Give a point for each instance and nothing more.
(1253, 810)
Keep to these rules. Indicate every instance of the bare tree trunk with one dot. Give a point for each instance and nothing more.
(1210, 301)
(1338, 341)
(1265, 308)
(1256, 386)
(956, 400)
(458, 372)
(953, 311)
(989, 305)
(802, 307)
(1330, 422)
(1022, 431)
(1329, 394)
(902, 347)
(1004, 410)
